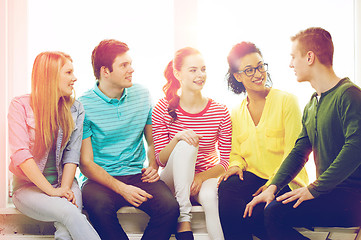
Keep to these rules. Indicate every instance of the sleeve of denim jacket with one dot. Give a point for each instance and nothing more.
(19, 136)
(72, 150)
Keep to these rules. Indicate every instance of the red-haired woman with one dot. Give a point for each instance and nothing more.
(45, 135)
(187, 129)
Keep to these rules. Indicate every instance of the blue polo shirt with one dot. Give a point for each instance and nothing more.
(116, 128)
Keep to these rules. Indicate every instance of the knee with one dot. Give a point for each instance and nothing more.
(98, 205)
(69, 213)
(171, 209)
(271, 212)
(183, 146)
(227, 189)
(208, 199)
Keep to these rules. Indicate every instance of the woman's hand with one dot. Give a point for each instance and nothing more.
(64, 192)
(189, 136)
(196, 184)
(234, 170)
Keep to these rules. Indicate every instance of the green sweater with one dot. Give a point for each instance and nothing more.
(331, 128)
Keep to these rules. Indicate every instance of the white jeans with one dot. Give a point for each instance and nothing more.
(68, 220)
(178, 174)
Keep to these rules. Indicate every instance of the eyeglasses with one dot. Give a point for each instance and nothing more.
(251, 70)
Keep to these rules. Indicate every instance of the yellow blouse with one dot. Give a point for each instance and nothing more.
(261, 149)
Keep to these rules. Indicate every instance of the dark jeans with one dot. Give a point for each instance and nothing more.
(339, 208)
(102, 204)
(233, 195)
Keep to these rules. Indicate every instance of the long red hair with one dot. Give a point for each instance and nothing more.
(172, 86)
(51, 110)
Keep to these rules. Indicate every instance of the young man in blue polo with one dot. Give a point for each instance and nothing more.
(332, 130)
(118, 115)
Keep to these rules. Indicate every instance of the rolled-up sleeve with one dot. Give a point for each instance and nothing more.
(72, 149)
(19, 136)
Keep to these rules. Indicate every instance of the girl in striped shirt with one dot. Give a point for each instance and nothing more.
(187, 130)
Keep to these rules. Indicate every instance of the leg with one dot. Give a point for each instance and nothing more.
(179, 174)
(163, 209)
(234, 194)
(208, 198)
(69, 221)
(339, 208)
(102, 204)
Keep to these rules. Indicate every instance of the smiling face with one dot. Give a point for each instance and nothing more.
(192, 74)
(67, 79)
(256, 82)
(122, 73)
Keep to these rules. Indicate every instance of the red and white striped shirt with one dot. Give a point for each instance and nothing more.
(213, 123)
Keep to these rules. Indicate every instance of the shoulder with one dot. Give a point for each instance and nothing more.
(238, 108)
(22, 101)
(87, 96)
(77, 106)
(282, 95)
(138, 94)
(218, 107)
(161, 106)
(138, 89)
(349, 89)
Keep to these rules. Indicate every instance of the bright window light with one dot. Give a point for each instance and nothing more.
(76, 27)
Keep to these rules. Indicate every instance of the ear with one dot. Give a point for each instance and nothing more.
(237, 77)
(104, 71)
(310, 57)
(176, 74)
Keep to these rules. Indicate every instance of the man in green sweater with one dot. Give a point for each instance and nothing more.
(332, 130)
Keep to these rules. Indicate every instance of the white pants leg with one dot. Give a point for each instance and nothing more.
(178, 174)
(208, 198)
(68, 220)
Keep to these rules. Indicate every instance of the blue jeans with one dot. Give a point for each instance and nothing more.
(102, 204)
(339, 208)
(68, 220)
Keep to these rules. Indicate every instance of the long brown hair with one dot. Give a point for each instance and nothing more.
(51, 110)
(172, 86)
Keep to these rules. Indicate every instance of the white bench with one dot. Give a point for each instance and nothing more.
(15, 225)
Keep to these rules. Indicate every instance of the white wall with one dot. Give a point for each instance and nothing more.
(13, 73)
(357, 40)
(213, 27)
(3, 101)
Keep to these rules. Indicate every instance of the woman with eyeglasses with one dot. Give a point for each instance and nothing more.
(45, 136)
(264, 129)
(192, 140)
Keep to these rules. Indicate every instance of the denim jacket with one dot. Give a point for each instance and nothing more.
(22, 136)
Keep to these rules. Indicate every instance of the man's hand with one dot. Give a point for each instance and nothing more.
(134, 195)
(234, 170)
(266, 196)
(260, 190)
(150, 175)
(196, 185)
(299, 194)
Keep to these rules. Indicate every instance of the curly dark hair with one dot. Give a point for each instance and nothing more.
(238, 51)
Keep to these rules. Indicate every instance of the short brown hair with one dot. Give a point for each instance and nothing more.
(105, 53)
(317, 40)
